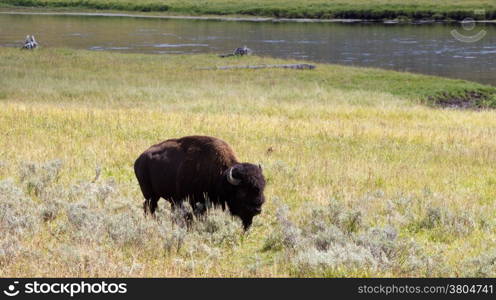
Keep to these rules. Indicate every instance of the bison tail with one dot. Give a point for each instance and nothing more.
(143, 176)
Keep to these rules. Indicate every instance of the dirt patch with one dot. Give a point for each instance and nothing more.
(469, 100)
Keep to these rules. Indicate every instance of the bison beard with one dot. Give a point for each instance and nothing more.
(200, 169)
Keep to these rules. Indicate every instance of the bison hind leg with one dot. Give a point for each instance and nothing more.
(150, 205)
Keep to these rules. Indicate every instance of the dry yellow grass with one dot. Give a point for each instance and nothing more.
(335, 133)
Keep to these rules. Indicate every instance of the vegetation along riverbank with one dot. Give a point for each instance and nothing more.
(366, 176)
(313, 9)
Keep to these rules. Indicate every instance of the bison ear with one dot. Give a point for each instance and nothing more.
(231, 179)
(260, 167)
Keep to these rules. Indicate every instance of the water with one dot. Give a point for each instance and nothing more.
(425, 48)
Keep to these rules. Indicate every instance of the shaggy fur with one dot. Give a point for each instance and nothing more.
(196, 168)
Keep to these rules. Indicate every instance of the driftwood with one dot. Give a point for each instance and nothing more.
(285, 66)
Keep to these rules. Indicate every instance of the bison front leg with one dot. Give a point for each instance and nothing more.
(198, 204)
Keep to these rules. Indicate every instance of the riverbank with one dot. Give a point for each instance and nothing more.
(172, 17)
(358, 162)
(92, 13)
(374, 10)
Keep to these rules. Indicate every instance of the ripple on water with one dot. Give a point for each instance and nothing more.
(404, 41)
(483, 52)
(118, 48)
(273, 41)
(310, 42)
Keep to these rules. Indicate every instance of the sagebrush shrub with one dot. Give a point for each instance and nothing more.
(93, 226)
(447, 223)
(9, 249)
(18, 213)
(483, 265)
(219, 228)
(128, 228)
(336, 260)
(333, 241)
(36, 177)
(173, 237)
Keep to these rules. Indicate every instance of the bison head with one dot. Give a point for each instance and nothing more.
(245, 183)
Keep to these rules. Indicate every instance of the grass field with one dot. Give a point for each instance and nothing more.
(366, 177)
(318, 9)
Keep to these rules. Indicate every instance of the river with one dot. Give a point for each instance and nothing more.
(421, 48)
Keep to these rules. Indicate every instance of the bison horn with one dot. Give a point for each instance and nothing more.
(231, 179)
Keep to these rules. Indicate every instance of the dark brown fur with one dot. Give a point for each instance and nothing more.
(196, 168)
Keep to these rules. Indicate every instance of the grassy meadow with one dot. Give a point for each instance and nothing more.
(366, 176)
(316, 9)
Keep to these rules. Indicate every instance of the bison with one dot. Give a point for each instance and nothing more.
(200, 169)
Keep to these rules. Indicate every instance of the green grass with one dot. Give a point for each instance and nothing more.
(316, 9)
(335, 133)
